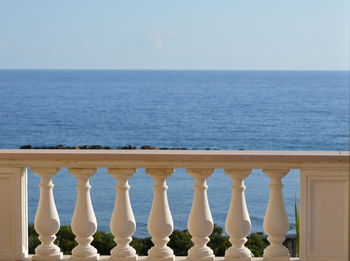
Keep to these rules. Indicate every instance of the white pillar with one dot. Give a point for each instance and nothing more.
(238, 222)
(84, 223)
(200, 222)
(276, 219)
(122, 222)
(324, 212)
(160, 221)
(47, 222)
(13, 216)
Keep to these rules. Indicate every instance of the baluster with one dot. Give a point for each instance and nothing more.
(47, 222)
(276, 219)
(160, 221)
(122, 223)
(200, 223)
(84, 223)
(238, 222)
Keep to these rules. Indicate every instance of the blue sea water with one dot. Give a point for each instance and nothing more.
(251, 110)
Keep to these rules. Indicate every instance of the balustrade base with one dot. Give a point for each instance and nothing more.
(142, 258)
(90, 258)
(151, 258)
(277, 258)
(238, 259)
(195, 258)
(120, 258)
(48, 258)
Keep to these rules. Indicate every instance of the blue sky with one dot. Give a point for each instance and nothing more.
(178, 34)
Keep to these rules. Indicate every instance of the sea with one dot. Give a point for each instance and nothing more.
(226, 110)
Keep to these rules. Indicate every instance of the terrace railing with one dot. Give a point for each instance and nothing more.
(324, 203)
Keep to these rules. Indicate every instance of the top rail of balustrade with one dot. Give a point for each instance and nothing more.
(173, 158)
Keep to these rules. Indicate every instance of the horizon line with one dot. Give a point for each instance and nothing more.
(118, 69)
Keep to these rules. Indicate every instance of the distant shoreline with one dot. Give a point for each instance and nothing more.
(100, 147)
(174, 70)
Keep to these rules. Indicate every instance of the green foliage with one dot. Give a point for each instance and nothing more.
(256, 243)
(65, 240)
(180, 242)
(104, 242)
(33, 240)
(296, 214)
(141, 245)
(218, 241)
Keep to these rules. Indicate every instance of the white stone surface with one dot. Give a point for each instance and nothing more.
(47, 222)
(13, 217)
(122, 222)
(84, 224)
(324, 209)
(160, 221)
(276, 220)
(238, 223)
(324, 214)
(200, 222)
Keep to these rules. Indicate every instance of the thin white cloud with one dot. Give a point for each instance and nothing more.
(156, 39)
(160, 38)
(159, 41)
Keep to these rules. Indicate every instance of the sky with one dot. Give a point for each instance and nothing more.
(178, 34)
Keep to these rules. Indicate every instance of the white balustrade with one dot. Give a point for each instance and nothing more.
(200, 222)
(160, 221)
(276, 220)
(84, 223)
(324, 236)
(238, 222)
(122, 223)
(47, 222)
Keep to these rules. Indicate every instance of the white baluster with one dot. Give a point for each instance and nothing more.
(276, 219)
(238, 222)
(200, 223)
(84, 223)
(47, 222)
(122, 223)
(160, 221)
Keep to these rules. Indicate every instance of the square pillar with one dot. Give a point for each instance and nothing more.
(324, 213)
(13, 214)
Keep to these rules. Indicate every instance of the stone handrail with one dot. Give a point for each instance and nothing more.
(324, 202)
